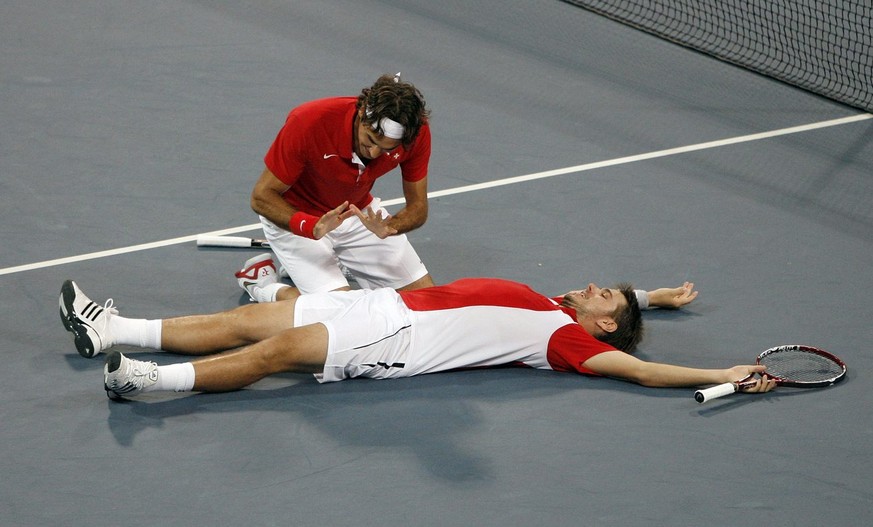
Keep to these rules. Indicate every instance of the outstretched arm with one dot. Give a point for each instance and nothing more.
(671, 297)
(656, 375)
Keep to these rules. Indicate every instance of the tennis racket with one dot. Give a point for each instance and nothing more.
(230, 241)
(793, 365)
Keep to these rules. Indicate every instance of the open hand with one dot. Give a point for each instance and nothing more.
(374, 221)
(331, 220)
(673, 297)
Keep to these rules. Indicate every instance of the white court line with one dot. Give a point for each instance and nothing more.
(466, 188)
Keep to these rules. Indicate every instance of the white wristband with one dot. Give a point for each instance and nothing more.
(642, 298)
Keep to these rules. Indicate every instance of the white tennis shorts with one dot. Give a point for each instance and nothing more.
(369, 332)
(372, 333)
(315, 265)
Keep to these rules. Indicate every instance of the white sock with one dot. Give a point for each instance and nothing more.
(268, 293)
(136, 332)
(174, 377)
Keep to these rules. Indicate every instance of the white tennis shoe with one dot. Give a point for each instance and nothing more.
(123, 376)
(86, 320)
(259, 271)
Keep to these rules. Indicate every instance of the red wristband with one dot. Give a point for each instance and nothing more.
(303, 224)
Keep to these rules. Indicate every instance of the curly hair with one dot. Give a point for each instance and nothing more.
(399, 101)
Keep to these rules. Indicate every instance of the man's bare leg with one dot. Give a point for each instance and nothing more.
(205, 334)
(301, 350)
(290, 293)
(421, 283)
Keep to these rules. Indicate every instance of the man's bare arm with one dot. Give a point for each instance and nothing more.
(620, 365)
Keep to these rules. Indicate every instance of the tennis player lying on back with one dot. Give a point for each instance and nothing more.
(382, 334)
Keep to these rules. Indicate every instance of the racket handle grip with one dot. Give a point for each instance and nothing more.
(223, 241)
(708, 394)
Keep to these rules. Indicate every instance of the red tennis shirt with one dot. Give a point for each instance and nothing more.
(476, 322)
(313, 154)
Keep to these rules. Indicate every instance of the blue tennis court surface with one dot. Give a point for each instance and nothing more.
(130, 123)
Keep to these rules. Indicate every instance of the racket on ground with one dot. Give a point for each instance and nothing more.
(794, 365)
(230, 241)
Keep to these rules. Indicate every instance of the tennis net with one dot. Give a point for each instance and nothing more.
(823, 46)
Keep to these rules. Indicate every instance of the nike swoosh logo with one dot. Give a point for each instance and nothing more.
(328, 156)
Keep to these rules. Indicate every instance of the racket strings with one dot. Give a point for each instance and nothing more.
(801, 366)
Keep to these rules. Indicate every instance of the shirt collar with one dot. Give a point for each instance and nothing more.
(347, 136)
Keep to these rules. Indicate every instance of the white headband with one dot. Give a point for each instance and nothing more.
(390, 129)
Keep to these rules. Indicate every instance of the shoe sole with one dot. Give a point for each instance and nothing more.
(72, 324)
(113, 362)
